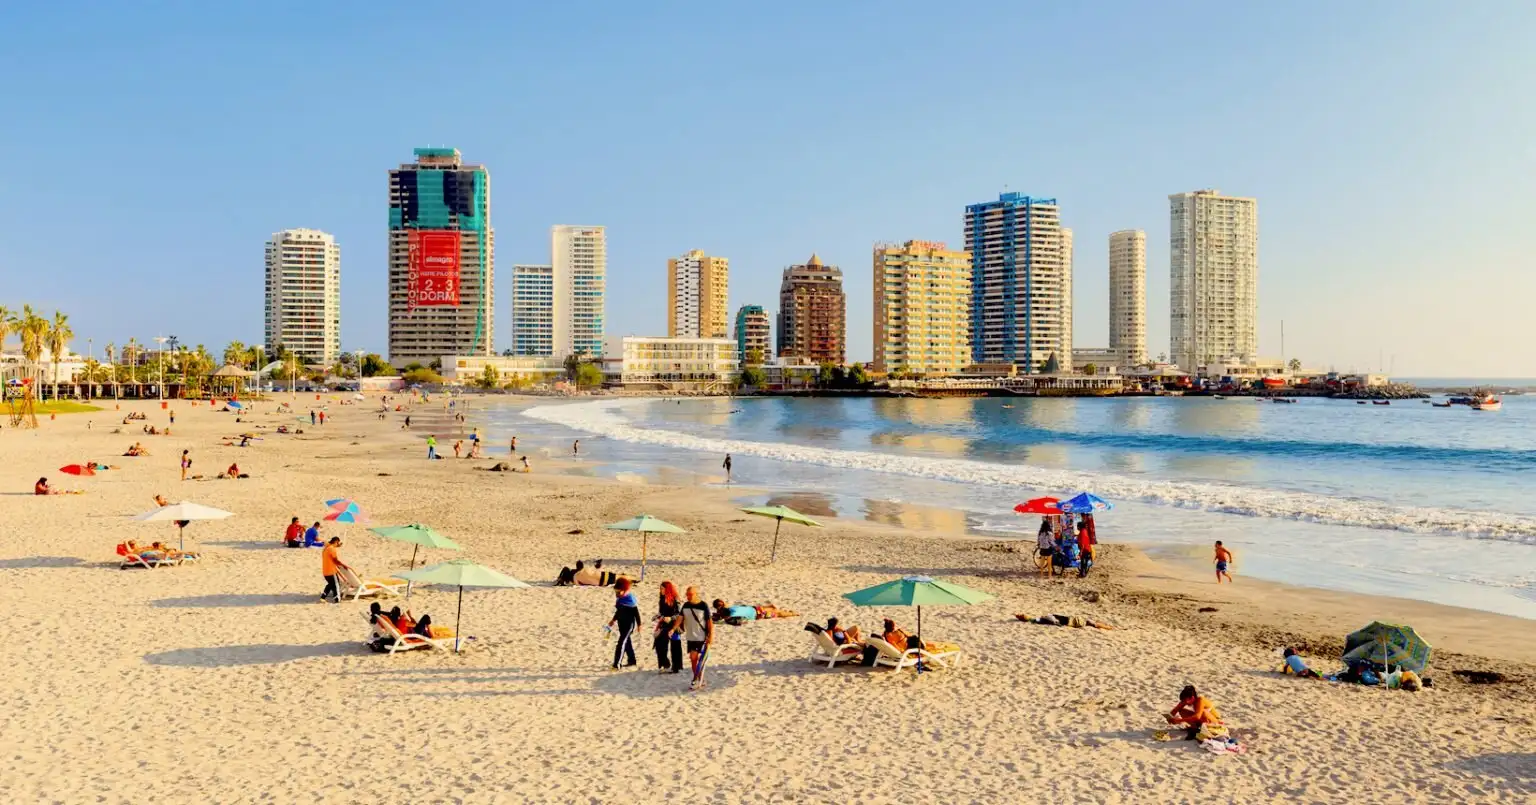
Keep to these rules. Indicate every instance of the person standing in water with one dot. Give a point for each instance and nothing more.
(1223, 561)
(727, 465)
(576, 448)
(513, 449)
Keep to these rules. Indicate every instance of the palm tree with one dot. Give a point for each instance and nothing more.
(57, 337)
(7, 324)
(112, 367)
(236, 353)
(31, 328)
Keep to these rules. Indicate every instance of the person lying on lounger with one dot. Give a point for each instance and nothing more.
(583, 576)
(841, 636)
(407, 623)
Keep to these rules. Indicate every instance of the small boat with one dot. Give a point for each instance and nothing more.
(1007, 406)
(1285, 400)
(1359, 402)
(1218, 396)
(1489, 403)
(1440, 405)
(1381, 402)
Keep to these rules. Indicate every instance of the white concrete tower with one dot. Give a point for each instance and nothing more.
(1128, 297)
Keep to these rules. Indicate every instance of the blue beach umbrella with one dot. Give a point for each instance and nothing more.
(1085, 503)
(235, 404)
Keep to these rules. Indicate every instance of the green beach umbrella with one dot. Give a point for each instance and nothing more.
(916, 591)
(420, 535)
(1390, 643)
(461, 573)
(646, 525)
(780, 514)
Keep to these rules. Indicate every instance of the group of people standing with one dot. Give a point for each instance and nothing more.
(682, 624)
(1068, 541)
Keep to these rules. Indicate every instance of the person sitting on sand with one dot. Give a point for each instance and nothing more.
(594, 576)
(42, 488)
(137, 450)
(725, 610)
(526, 467)
(1193, 711)
(233, 471)
(841, 636)
(161, 501)
(1294, 664)
(293, 536)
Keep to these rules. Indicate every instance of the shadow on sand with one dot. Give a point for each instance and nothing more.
(260, 654)
(224, 600)
(1515, 770)
(28, 562)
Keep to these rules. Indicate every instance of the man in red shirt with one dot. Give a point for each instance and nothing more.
(294, 536)
(1086, 539)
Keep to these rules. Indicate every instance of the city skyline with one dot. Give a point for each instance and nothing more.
(1334, 172)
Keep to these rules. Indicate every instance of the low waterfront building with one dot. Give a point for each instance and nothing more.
(790, 374)
(1105, 361)
(675, 364)
(466, 369)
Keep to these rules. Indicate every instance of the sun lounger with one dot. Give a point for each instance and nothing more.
(826, 651)
(149, 560)
(407, 641)
(891, 657)
(354, 588)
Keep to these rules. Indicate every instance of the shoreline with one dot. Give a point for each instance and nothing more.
(253, 658)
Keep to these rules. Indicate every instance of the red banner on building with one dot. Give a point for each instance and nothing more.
(433, 267)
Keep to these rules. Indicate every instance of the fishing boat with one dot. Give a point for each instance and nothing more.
(1487, 403)
(1381, 402)
(1441, 405)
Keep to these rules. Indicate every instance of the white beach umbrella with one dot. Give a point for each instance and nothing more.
(180, 514)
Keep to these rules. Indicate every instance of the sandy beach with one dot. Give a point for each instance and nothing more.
(230, 682)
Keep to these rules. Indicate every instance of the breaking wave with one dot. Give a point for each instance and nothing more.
(605, 418)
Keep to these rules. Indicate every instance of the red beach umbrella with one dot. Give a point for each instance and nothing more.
(77, 469)
(1039, 506)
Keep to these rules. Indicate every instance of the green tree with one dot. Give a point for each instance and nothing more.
(237, 354)
(856, 375)
(826, 375)
(7, 324)
(588, 375)
(33, 330)
(1295, 366)
(421, 376)
(754, 357)
(572, 363)
(753, 376)
(374, 365)
(112, 367)
(1091, 369)
(489, 378)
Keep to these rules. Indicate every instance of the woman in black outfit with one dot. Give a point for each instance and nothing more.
(626, 615)
(669, 630)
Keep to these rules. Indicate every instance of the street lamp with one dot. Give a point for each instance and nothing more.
(160, 339)
(261, 360)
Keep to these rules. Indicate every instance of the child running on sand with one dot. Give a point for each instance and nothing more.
(1223, 561)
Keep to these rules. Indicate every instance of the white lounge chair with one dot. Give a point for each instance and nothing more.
(354, 588)
(138, 558)
(407, 641)
(891, 657)
(826, 651)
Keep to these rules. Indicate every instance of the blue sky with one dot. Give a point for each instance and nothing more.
(153, 147)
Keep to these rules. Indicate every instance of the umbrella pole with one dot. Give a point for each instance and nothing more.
(414, 549)
(778, 524)
(645, 542)
(181, 537)
(458, 617)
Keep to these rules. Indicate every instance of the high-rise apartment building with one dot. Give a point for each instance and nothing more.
(533, 310)
(303, 310)
(1065, 356)
(1020, 291)
(441, 259)
(813, 313)
(752, 335)
(922, 308)
(579, 255)
(1213, 278)
(1128, 297)
(697, 286)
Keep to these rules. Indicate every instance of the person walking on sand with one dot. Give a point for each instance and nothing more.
(727, 465)
(330, 566)
(576, 448)
(626, 615)
(311, 417)
(407, 421)
(186, 463)
(431, 447)
(668, 641)
(699, 632)
(1223, 561)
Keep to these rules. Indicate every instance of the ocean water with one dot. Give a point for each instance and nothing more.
(1407, 500)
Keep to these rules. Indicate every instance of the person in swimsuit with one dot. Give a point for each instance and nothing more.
(1223, 561)
(1193, 712)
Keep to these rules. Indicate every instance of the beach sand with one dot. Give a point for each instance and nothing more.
(229, 682)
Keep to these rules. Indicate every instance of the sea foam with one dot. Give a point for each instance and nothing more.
(605, 418)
